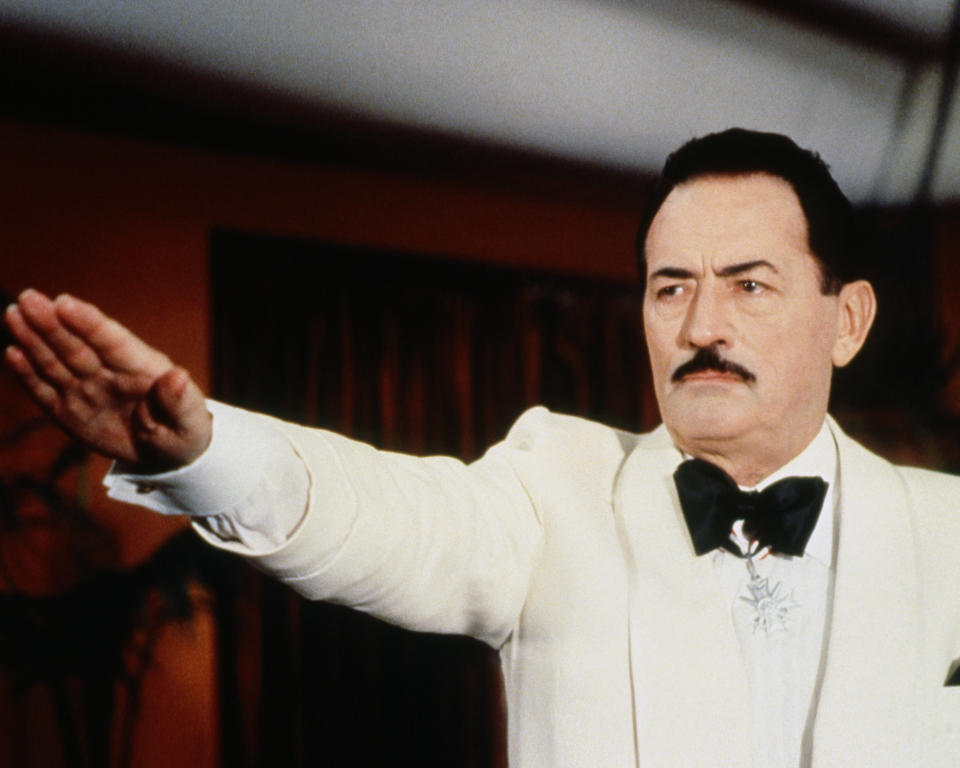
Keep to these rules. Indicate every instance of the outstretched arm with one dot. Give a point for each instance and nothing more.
(104, 385)
(430, 544)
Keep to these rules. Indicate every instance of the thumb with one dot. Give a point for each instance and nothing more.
(172, 421)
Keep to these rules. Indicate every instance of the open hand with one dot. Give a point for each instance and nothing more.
(104, 385)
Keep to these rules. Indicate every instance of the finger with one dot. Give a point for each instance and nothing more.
(40, 313)
(43, 360)
(43, 393)
(113, 343)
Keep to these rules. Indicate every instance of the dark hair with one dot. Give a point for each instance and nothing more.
(738, 151)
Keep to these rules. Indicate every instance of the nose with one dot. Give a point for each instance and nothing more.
(707, 322)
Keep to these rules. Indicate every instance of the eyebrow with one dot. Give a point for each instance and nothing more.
(746, 266)
(673, 272)
(678, 273)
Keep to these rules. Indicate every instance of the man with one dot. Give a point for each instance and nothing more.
(646, 612)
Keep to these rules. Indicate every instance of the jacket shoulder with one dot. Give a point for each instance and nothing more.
(937, 482)
(930, 490)
(927, 489)
(933, 496)
(550, 449)
(542, 430)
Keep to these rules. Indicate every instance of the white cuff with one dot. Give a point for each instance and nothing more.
(215, 483)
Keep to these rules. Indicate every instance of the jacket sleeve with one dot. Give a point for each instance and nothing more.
(431, 544)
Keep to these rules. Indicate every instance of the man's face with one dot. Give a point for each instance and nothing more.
(729, 271)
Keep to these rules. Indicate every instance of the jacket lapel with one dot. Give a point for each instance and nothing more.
(689, 684)
(870, 705)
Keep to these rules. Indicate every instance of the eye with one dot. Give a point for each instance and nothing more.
(751, 286)
(670, 291)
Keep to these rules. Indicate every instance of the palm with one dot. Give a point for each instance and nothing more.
(101, 413)
(104, 385)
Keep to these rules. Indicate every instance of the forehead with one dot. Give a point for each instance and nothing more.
(728, 217)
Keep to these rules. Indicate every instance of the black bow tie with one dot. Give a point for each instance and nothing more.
(781, 516)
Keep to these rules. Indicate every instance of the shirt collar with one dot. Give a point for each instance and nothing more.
(818, 459)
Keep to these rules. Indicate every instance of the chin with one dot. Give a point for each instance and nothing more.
(703, 423)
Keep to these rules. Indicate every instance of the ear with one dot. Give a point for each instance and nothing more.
(857, 308)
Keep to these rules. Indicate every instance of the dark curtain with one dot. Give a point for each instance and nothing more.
(412, 354)
(896, 397)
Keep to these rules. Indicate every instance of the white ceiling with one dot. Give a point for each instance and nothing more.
(619, 82)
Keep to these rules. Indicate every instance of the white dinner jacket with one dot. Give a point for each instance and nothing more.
(893, 632)
(564, 548)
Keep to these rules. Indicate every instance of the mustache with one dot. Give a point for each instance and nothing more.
(708, 359)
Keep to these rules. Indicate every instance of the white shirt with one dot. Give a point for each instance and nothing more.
(249, 506)
(783, 665)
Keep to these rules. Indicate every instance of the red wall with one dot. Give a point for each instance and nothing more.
(125, 224)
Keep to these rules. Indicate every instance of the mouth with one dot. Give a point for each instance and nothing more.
(712, 375)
